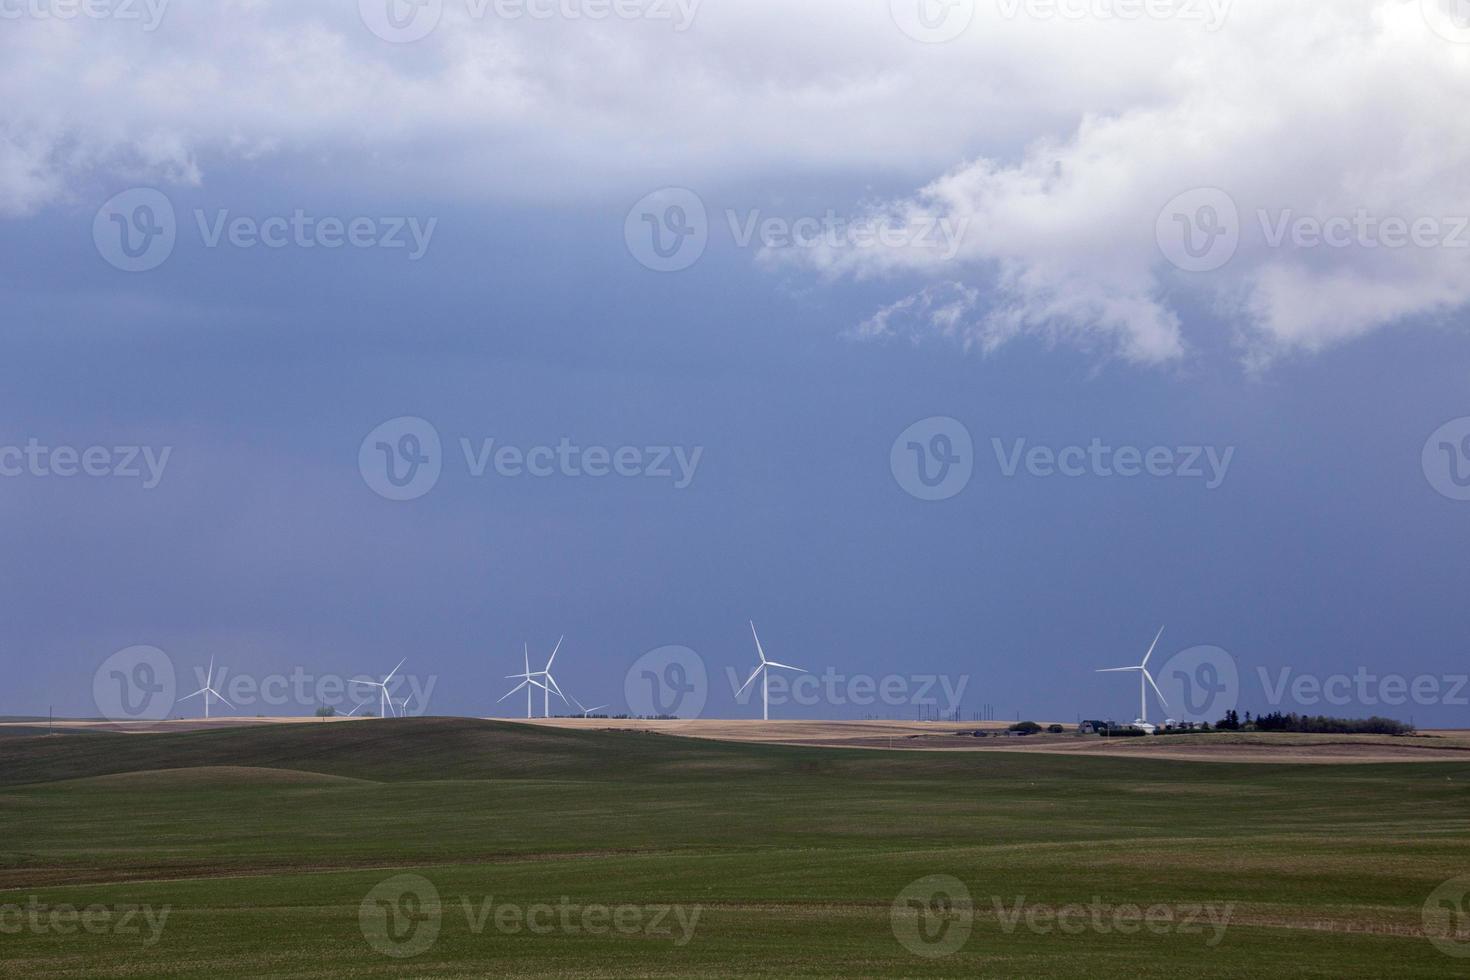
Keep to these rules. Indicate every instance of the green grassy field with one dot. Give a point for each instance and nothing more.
(654, 856)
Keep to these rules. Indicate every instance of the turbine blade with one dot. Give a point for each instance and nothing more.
(1151, 648)
(753, 674)
(194, 695)
(1162, 700)
(393, 671)
(772, 663)
(553, 653)
(221, 697)
(1118, 670)
(552, 681)
(758, 648)
(598, 708)
(526, 652)
(209, 681)
(514, 690)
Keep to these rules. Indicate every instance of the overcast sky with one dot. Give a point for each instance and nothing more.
(961, 345)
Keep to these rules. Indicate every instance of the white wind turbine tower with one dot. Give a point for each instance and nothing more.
(527, 680)
(764, 670)
(207, 690)
(385, 703)
(547, 682)
(1145, 681)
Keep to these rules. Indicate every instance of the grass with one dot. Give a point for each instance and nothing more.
(263, 843)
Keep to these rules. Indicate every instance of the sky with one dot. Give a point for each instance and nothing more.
(960, 346)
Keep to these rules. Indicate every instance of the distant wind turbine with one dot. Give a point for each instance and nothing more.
(764, 670)
(207, 690)
(527, 680)
(586, 711)
(547, 682)
(385, 703)
(1145, 681)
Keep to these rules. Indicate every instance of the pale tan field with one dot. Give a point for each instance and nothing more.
(1428, 746)
(1436, 746)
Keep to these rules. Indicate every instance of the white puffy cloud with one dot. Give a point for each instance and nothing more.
(1310, 118)
(1057, 139)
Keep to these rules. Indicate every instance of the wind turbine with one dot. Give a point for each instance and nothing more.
(586, 711)
(385, 703)
(1145, 681)
(527, 680)
(403, 705)
(548, 683)
(764, 670)
(207, 690)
